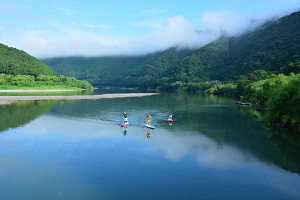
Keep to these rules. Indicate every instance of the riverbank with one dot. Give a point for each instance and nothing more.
(10, 99)
(18, 90)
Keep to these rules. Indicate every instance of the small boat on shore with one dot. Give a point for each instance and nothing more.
(243, 104)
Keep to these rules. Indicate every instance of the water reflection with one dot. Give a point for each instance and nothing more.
(77, 151)
(20, 113)
(72, 139)
(148, 133)
(124, 130)
(286, 141)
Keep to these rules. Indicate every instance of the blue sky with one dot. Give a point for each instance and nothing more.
(93, 28)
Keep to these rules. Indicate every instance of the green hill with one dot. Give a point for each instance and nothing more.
(17, 62)
(20, 70)
(205, 63)
(129, 71)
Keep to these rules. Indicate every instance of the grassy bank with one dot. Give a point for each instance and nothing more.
(55, 87)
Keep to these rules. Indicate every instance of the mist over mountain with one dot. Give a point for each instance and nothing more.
(272, 45)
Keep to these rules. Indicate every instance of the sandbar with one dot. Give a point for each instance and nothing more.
(10, 99)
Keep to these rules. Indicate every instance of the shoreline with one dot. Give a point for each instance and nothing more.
(4, 100)
(19, 90)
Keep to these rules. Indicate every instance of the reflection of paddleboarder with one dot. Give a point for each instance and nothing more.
(125, 132)
(148, 133)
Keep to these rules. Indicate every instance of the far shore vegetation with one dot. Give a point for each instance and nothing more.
(42, 82)
(278, 92)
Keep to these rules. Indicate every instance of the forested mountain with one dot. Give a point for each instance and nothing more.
(117, 70)
(205, 63)
(17, 62)
(269, 47)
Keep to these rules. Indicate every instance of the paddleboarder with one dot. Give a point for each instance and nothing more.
(125, 118)
(148, 119)
(170, 115)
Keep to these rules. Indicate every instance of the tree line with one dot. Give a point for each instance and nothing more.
(8, 80)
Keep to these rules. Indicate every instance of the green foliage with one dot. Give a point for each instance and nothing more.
(197, 86)
(42, 80)
(222, 89)
(243, 83)
(283, 103)
(290, 68)
(243, 86)
(17, 62)
(23, 80)
(201, 64)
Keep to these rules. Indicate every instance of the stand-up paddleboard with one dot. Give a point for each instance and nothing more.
(124, 125)
(170, 120)
(149, 126)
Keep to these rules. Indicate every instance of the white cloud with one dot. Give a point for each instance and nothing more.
(178, 32)
(225, 21)
(77, 42)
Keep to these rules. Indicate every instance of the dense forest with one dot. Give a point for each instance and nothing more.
(19, 69)
(122, 71)
(269, 47)
(16, 62)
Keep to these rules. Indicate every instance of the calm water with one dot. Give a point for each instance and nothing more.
(76, 150)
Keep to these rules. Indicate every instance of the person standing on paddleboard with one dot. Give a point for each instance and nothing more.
(125, 118)
(148, 119)
(170, 115)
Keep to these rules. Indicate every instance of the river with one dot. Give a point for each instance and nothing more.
(75, 149)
